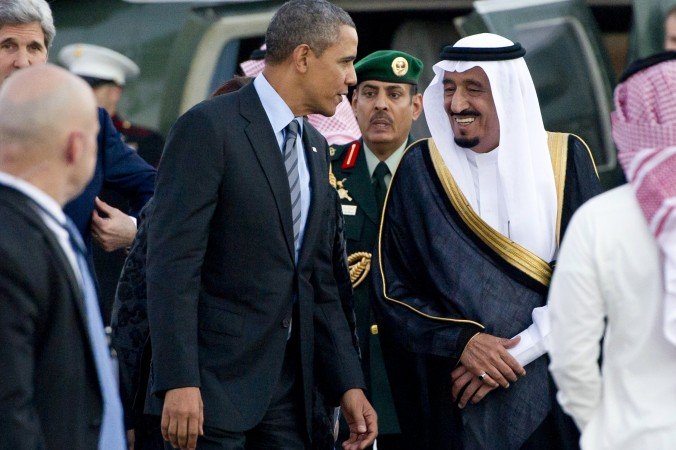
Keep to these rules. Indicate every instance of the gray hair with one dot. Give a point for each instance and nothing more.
(18, 12)
(312, 22)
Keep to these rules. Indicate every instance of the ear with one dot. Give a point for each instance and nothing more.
(417, 104)
(300, 57)
(355, 94)
(74, 148)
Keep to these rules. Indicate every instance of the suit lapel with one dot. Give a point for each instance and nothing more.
(18, 201)
(263, 141)
(358, 184)
(315, 154)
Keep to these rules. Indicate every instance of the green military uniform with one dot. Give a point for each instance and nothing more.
(351, 178)
(362, 219)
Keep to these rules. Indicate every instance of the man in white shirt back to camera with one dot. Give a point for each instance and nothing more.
(616, 279)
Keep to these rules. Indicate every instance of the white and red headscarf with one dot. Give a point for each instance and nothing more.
(644, 130)
(338, 129)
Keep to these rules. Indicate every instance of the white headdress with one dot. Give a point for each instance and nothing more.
(526, 177)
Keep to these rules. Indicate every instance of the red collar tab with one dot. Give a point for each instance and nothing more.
(351, 158)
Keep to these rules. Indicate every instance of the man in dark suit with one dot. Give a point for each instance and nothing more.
(27, 30)
(242, 300)
(58, 386)
(386, 102)
(121, 171)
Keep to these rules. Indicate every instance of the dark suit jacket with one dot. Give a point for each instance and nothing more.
(123, 179)
(221, 273)
(119, 169)
(49, 391)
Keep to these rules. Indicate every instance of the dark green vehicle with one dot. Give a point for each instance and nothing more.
(186, 49)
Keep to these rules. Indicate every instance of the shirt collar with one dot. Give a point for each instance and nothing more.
(481, 159)
(278, 112)
(35, 194)
(392, 161)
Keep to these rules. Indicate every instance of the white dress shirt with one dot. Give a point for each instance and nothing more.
(280, 115)
(610, 270)
(392, 161)
(491, 204)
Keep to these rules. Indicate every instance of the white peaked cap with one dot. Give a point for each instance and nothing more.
(98, 62)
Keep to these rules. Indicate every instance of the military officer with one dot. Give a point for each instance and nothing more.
(107, 72)
(385, 102)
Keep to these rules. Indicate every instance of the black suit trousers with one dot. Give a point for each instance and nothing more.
(283, 425)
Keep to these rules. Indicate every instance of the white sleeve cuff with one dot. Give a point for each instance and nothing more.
(533, 339)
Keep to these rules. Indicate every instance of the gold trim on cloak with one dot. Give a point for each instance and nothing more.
(510, 251)
(382, 272)
(558, 152)
(591, 156)
(513, 253)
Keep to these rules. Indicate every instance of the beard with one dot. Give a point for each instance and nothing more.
(466, 142)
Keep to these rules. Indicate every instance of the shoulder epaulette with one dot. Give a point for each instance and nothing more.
(337, 150)
(350, 158)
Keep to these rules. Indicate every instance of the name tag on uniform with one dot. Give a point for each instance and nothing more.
(349, 210)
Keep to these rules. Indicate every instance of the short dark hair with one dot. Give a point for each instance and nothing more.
(21, 12)
(312, 22)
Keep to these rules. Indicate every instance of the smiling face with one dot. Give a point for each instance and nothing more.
(468, 101)
(385, 112)
(329, 75)
(21, 45)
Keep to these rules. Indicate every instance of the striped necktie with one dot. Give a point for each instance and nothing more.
(291, 164)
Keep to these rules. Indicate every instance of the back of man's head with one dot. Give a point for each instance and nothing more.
(44, 111)
(645, 106)
(312, 22)
(21, 12)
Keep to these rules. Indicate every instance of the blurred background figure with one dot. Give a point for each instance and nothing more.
(27, 32)
(670, 30)
(340, 128)
(615, 280)
(107, 72)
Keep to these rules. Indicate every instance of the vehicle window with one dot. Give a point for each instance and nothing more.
(569, 82)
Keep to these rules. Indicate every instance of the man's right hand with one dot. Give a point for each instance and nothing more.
(183, 417)
(488, 354)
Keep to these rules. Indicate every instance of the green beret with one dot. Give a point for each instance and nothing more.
(390, 66)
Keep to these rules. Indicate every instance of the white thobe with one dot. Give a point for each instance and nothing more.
(609, 270)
